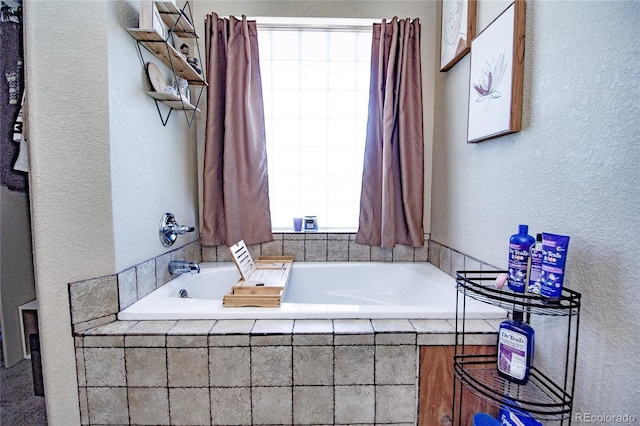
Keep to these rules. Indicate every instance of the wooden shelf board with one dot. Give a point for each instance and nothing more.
(173, 101)
(172, 15)
(169, 56)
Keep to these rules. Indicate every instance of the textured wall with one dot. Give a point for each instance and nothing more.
(70, 176)
(100, 161)
(573, 169)
(153, 168)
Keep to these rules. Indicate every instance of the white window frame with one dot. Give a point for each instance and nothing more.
(313, 150)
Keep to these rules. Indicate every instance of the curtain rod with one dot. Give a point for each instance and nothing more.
(314, 27)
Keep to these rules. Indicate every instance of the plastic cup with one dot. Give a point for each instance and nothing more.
(483, 419)
(297, 224)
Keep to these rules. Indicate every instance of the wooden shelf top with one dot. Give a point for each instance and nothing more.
(172, 15)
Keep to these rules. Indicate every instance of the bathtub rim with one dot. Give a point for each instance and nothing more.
(142, 311)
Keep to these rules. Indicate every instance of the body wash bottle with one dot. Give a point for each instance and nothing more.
(515, 349)
(519, 252)
(535, 271)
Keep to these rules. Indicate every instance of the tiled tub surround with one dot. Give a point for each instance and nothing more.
(201, 372)
(97, 301)
(450, 261)
(254, 372)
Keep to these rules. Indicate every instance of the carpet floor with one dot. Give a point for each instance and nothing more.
(18, 405)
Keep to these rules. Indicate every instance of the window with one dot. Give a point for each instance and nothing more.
(316, 87)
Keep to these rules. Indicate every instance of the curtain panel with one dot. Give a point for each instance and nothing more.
(392, 197)
(235, 179)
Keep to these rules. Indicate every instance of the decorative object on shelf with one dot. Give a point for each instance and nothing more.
(182, 89)
(458, 29)
(184, 49)
(497, 69)
(156, 78)
(546, 397)
(150, 17)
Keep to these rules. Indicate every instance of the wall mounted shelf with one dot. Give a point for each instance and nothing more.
(179, 25)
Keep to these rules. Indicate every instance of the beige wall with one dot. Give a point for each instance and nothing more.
(573, 170)
(103, 168)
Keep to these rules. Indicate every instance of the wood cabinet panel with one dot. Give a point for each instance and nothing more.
(436, 387)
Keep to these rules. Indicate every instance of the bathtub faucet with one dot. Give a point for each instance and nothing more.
(182, 267)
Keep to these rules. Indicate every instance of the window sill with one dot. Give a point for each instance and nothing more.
(319, 231)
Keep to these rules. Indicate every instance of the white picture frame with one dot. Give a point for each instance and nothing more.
(496, 76)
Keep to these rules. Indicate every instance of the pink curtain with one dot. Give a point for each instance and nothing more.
(392, 197)
(235, 180)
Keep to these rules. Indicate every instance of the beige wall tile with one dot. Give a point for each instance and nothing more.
(396, 365)
(231, 406)
(338, 250)
(396, 404)
(189, 406)
(127, 288)
(93, 298)
(271, 366)
(313, 365)
(108, 405)
(359, 252)
(272, 405)
(354, 404)
(229, 366)
(104, 366)
(354, 365)
(146, 366)
(149, 406)
(315, 250)
(146, 278)
(188, 367)
(312, 405)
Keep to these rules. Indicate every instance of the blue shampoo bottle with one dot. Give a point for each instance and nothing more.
(515, 349)
(519, 254)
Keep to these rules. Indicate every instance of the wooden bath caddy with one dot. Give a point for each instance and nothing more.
(262, 282)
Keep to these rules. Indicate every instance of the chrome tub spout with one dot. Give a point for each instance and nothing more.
(183, 267)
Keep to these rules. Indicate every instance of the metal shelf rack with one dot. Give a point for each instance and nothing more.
(548, 400)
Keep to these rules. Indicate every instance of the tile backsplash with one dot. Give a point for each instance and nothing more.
(323, 247)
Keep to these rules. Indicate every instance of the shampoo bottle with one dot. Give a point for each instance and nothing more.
(535, 271)
(515, 349)
(519, 252)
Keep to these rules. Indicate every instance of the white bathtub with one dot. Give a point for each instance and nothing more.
(316, 290)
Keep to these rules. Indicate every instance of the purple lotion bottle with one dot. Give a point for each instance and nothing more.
(519, 254)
